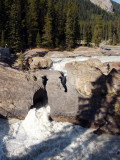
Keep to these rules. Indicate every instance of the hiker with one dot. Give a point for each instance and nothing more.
(6, 46)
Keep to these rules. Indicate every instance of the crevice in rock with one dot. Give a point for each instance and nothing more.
(40, 98)
(2, 117)
(44, 81)
(34, 78)
(63, 81)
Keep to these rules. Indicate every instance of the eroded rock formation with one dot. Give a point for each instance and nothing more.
(17, 90)
(86, 97)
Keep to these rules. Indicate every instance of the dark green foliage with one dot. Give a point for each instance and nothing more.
(98, 31)
(15, 26)
(2, 44)
(71, 25)
(70, 28)
(2, 15)
(32, 20)
(114, 39)
(38, 40)
(61, 23)
(49, 28)
(88, 34)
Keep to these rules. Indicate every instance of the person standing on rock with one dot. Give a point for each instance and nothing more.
(6, 46)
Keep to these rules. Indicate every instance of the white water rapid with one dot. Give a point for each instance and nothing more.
(38, 138)
(59, 63)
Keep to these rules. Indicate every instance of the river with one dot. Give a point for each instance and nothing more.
(39, 138)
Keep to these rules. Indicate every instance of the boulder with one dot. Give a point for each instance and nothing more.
(113, 82)
(82, 75)
(96, 63)
(63, 99)
(99, 96)
(18, 92)
(39, 63)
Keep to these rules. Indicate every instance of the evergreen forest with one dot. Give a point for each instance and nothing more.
(56, 23)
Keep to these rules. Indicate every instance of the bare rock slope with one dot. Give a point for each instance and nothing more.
(104, 4)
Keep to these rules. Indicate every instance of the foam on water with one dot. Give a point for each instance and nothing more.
(38, 138)
(59, 63)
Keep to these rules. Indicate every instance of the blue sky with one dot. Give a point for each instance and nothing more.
(118, 1)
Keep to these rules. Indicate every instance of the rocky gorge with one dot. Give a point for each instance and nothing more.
(43, 110)
(89, 95)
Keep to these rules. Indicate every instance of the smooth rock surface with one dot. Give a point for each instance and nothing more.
(17, 91)
(83, 74)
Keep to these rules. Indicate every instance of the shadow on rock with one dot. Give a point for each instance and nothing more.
(100, 109)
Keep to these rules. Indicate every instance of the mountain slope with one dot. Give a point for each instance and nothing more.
(104, 4)
(116, 8)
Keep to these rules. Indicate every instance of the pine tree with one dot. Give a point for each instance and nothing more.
(71, 25)
(57, 22)
(38, 40)
(7, 18)
(2, 15)
(110, 32)
(23, 27)
(118, 30)
(33, 14)
(49, 28)
(98, 31)
(42, 11)
(15, 26)
(114, 39)
(2, 44)
(88, 35)
(60, 24)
